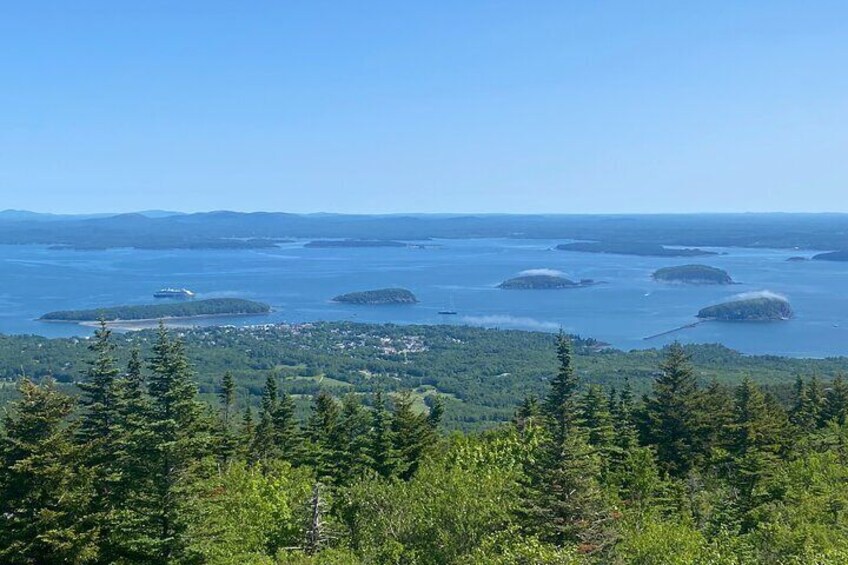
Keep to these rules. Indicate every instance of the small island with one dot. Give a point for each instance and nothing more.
(638, 249)
(692, 274)
(337, 243)
(797, 259)
(765, 308)
(383, 296)
(832, 256)
(543, 282)
(210, 307)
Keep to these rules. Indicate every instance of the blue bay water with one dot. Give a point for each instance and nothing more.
(299, 282)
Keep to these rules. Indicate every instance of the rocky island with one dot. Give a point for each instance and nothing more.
(765, 307)
(543, 282)
(210, 307)
(638, 249)
(381, 296)
(692, 274)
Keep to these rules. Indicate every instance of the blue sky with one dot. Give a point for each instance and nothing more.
(431, 106)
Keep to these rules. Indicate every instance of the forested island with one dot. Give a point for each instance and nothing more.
(341, 243)
(832, 256)
(754, 309)
(692, 274)
(632, 248)
(543, 282)
(209, 307)
(383, 296)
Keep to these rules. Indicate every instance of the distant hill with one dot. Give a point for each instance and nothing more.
(339, 243)
(648, 235)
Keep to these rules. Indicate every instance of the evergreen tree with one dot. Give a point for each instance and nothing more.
(354, 436)
(527, 415)
(563, 502)
(287, 432)
(673, 416)
(717, 415)
(561, 403)
(226, 440)
(382, 451)
(808, 411)
(836, 401)
(598, 420)
(323, 431)
(246, 432)
(624, 419)
(754, 441)
(134, 462)
(40, 497)
(412, 434)
(98, 435)
(264, 445)
(181, 444)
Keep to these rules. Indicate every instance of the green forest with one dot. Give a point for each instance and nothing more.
(131, 464)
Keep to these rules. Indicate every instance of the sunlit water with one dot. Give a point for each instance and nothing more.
(299, 283)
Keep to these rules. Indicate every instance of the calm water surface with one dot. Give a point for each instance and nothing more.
(299, 283)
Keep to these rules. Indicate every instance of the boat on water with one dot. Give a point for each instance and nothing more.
(173, 293)
(450, 311)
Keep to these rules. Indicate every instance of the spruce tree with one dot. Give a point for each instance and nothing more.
(673, 415)
(181, 443)
(354, 437)
(99, 435)
(264, 445)
(322, 430)
(754, 441)
(836, 401)
(287, 431)
(382, 451)
(226, 440)
(41, 497)
(411, 433)
(563, 502)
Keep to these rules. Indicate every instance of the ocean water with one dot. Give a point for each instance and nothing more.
(299, 282)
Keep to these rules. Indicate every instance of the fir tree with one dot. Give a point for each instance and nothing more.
(287, 434)
(322, 430)
(40, 497)
(264, 445)
(673, 416)
(354, 437)
(563, 502)
(836, 401)
(181, 443)
(382, 451)
(226, 440)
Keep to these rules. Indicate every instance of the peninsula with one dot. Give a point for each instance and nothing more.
(832, 256)
(210, 307)
(638, 249)
(337, 243)
(381, 296)
(692, 274)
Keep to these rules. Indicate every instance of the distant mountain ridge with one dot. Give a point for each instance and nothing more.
(160, 229)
